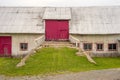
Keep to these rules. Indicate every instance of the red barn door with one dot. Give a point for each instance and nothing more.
(5, 45)
(57, 29)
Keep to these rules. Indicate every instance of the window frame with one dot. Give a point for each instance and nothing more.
(88, 49)
(113, 49)
(99, 49)
(23, 49)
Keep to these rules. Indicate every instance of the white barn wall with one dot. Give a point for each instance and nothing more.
(105, 39)
(119, 47)
(82, 20)
(22, 38)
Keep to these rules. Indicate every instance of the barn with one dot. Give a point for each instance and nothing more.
(93, 29)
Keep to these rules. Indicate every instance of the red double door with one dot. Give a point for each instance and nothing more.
(57, 29)
(5, 45)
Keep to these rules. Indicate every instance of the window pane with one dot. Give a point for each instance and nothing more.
(23, 46)
(99, 46)
(87, 46)
(112, 46)
(90, 46)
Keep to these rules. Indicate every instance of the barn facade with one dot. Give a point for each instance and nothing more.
(97, 29)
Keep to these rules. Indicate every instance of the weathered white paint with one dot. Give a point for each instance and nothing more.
(119, 46)
(95, 20)
(21, 20)
(57, 13)
(40, 40)
(83, 20)
(74, 40)
(22, 38)
(105, 39)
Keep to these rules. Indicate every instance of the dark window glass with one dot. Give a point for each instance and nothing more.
(112, 46)
(99, 46)
(87, 46)
(23, 46)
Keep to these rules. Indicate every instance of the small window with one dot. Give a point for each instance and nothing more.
(23, 46)
(99, 47)
(87, 46)
(112, 47)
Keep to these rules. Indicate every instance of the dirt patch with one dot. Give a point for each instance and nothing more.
(108, 74)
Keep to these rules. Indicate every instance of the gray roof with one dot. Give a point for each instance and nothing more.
(83, 20)
(57, 13)
(95, 20)
(21, 20)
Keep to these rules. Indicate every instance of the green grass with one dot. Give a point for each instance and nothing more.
(48, 61)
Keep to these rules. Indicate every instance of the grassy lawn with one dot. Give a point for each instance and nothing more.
(54, 61)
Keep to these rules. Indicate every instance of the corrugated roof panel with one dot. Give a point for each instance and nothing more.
(21, 20)
(84, 20)
(96, 20)
(57, 13)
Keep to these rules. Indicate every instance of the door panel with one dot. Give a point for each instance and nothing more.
(63, 31)
(6, 49)
(5, 45)
(57, 30)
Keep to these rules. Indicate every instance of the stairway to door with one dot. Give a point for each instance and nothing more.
(57, 44)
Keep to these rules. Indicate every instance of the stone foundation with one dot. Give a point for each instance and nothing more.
(105, 54)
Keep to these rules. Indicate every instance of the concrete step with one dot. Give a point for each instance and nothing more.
(57, 44)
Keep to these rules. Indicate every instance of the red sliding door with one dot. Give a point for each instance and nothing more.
(57, 29)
